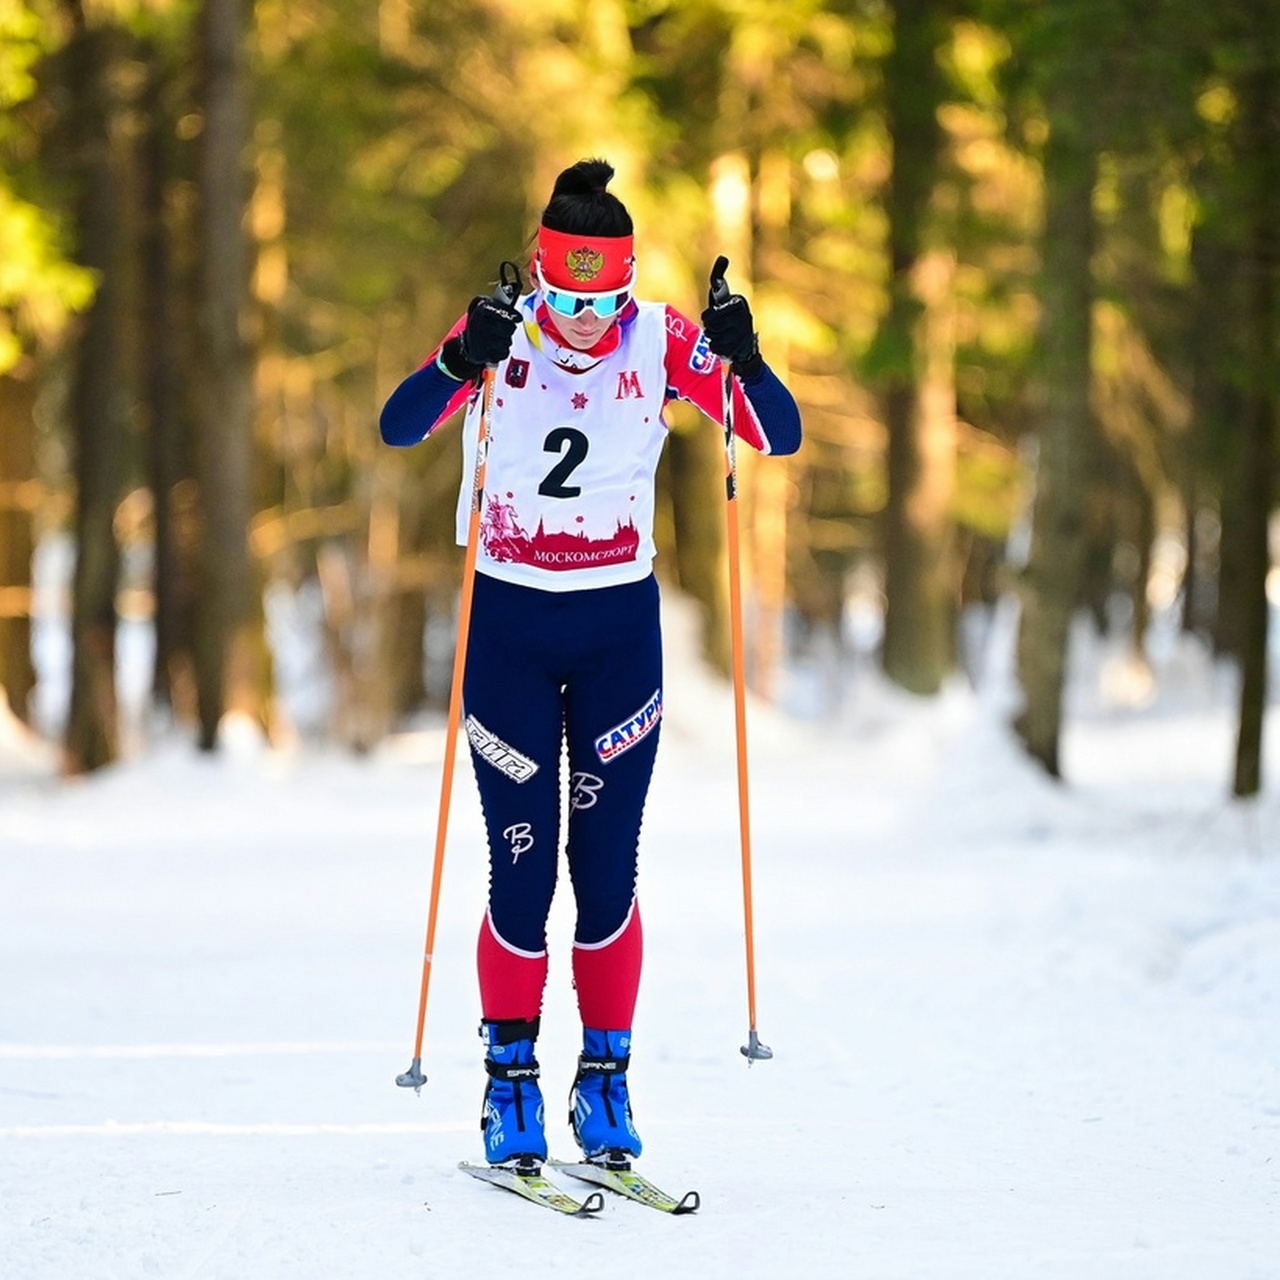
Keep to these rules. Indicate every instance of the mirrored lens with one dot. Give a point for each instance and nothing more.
(573, 304)
(611, 304)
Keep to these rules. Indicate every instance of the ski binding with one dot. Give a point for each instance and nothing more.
(532, 1186)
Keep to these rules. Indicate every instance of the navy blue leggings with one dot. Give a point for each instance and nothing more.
(544, 670)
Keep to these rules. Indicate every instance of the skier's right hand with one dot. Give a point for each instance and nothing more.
(485, 339)
(490, 327)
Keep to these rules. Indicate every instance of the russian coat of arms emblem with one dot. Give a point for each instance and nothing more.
(584, 264)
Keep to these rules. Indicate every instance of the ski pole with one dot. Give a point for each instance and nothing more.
(753, 1050)
(507, 292)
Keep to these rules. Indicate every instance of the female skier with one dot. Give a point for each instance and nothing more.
(564, 644)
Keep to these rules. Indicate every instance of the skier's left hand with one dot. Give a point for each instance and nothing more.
(731, 334)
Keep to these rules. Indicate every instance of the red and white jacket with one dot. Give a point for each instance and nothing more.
(573, 446)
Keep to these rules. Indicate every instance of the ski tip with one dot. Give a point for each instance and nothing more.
(593, 1204)
(690, 1202)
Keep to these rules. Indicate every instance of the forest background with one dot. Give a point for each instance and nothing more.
(1018, 260)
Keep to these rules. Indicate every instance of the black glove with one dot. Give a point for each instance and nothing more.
(731, 334)
(485, 340)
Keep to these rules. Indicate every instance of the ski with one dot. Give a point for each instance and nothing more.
(626, 1182)
(534, 1187)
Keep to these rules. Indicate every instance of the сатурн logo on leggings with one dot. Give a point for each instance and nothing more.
(632, 730)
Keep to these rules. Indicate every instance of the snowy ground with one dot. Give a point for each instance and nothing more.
(1020, 1030)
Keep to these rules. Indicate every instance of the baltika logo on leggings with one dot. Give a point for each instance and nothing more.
(634, 729)
(506, 759)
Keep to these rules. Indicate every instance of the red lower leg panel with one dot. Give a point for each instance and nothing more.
(511, 981)
(607, 976)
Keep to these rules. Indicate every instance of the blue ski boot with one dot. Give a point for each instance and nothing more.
(599, 1105)
(512, 1117)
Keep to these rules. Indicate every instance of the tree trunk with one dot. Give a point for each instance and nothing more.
(1260, 123)
(1217, 411)
(168, 437)
(1144, 510)
(1051, 581)
(694, 461)
(230, 650)
(918, 527)
(1229, 624)
(425, 583)
(1190, 618)
(694, 465)
(767, 481)
(91, 737)
(18, 491)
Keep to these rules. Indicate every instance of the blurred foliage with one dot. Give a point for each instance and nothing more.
(402, 149)
(40, 287)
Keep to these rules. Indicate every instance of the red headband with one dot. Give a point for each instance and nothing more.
(585, 264)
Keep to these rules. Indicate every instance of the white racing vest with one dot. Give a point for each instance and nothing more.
(569, 477)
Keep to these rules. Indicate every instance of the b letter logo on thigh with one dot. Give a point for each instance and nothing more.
(520, 834)
(584, 790)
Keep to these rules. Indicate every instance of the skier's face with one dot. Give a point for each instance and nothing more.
(582, 318)
(585, 329)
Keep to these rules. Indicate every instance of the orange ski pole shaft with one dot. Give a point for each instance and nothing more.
(753, 1050)
(740, 725)
(414, 1078)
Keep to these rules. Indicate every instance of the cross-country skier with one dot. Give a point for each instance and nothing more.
(564, 646)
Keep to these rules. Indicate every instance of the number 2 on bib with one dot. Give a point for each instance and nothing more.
(572, 445)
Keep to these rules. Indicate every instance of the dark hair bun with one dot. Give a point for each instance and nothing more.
(581, 204)
(585, 178)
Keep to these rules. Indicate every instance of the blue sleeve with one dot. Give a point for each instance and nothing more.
(776, 409)
(417, 404)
